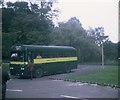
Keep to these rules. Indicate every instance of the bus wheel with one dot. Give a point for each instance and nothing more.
(68, 70)
(38, 73)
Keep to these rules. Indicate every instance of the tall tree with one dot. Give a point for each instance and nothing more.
(27, 24)
(111, 51)
(97, 35)
(73, 34)
(100, 35)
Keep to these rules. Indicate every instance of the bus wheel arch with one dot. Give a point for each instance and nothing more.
(38, 73)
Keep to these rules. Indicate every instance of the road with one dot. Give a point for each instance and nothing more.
(46, 87)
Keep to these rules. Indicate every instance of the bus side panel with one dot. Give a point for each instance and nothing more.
(57, 67)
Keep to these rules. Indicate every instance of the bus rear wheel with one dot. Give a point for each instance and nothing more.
(38, 73)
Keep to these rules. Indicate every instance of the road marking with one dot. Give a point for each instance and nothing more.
(66, 96)
(14, 90)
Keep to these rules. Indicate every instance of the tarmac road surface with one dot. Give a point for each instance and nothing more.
(47, 88)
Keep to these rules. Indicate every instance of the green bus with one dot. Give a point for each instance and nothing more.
(47, 60)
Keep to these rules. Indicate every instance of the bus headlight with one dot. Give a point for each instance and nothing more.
(11, 68)
(22, 68)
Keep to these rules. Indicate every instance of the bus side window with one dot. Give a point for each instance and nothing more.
(30, 56)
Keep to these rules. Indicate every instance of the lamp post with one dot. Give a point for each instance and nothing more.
(102, 55)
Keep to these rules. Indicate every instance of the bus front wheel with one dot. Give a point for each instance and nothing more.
(38, 73)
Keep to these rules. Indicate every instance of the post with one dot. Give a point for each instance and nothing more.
(102, 55)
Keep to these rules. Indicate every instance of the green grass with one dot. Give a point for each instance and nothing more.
(107, 76)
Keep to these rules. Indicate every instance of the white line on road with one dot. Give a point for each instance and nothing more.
(14, 90)
(66, 96)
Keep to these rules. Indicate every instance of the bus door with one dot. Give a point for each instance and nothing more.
(30, 57)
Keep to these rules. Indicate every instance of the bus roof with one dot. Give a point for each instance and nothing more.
(43, 46)
(22, 47)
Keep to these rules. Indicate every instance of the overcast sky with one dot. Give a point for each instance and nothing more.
(91, 13)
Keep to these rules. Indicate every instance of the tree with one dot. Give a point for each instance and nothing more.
(7, 17)
(8, 39)
(27, 24)
(111, 51)
(71, 33)
(97, 35)
(100, 36)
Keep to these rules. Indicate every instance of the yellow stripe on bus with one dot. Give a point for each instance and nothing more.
(50, 60)
(47, 60)
(16, 62)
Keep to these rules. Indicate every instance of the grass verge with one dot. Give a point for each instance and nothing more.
(108, 75)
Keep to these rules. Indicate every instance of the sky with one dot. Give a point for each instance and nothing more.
(91, 13)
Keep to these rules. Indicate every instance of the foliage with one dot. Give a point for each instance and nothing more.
(110, 51)
(73, 34)
(8, 40)
(28, 23)
(97, 35)
(25, 24)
